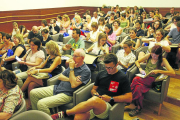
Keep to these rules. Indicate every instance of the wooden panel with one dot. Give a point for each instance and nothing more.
(34, 17)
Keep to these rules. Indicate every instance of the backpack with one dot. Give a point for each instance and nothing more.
(60, 38)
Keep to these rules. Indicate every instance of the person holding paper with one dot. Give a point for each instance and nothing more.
(139, 85)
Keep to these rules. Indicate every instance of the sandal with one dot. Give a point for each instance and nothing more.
(134, 112)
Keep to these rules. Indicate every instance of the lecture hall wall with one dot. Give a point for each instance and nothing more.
(31, 12)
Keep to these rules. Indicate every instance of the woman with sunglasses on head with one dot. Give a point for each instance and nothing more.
(125, 56)
(154, 67)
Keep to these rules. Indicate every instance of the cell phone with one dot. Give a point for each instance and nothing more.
(17, 58)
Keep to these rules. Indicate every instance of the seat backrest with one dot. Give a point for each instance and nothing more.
(32, 115)
(45, 53)
(54, 80)
(84, 94)
(21, 109)
(88, 44)
(66, 39)
(55, 37)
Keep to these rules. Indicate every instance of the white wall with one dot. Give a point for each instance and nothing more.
(9, 5)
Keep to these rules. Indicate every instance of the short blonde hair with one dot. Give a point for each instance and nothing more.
(53, 48)
(15, 24)
(78, 17)
(20, 38)
(66, 16)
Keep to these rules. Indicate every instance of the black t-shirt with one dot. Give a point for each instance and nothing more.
(112, 85)
(56, 28)
(44, 42)
(140, 32)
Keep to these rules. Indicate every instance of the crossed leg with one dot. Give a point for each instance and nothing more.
(81, 111)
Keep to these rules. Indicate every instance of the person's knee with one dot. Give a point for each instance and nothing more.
(33, 93)
(40, 103)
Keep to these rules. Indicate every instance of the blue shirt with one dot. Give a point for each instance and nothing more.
(175, 34)
(65, 86)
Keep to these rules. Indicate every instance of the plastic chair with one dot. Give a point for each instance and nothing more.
(151, 94)
(32, 115)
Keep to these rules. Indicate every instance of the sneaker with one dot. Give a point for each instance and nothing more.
(134, 112)
(58, 115)
(176, 67)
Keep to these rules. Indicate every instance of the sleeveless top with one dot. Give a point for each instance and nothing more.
(150, 67)
(123, 24)
(24, 51)
(57, 70)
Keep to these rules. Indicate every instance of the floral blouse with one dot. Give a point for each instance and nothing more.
(11, 100)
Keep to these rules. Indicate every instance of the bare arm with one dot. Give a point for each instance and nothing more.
(119, 32)
(121, 44)
(18, 52)
(93, 91)
(137, 45)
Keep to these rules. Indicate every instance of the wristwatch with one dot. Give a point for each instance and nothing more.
(71, 69)
(112, 100)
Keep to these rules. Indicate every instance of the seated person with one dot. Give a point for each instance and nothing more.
(124, 22)
(140, 32)
(7, 44)
(87, 24)
(19, 50)
(125, 56)
(100, 47)
(139, 18)
(109, 12)
(45, 37)
(53, 28)
(157, 13)
(160, 35)
(111, 37)
(66, 22)
(52, 66)
(77, 23)
(44, 25)
(77, 75)
(59, 21)
(34, 33)
(111, 86)
(116, 28)
(139, 85)
(1, 40)
(101, 24)
(111, 19)
(132, 37)
(15, 29)
(95, 17)
(175, 34)
(23, 31)
(33, 57)
(93, 35)
(75, 42)
(10, 94)
(172, 25)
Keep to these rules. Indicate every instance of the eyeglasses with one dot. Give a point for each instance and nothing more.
(76, 56)
(110, 68)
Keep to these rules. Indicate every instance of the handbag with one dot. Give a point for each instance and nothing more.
(23, 67)
(41, 76)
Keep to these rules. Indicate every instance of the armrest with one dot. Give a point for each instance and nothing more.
(115, 48)
(75, 92)
(164, 88)
(142, 49)
(15, 65)
(53, 81)
(117, 112)
(84, 94)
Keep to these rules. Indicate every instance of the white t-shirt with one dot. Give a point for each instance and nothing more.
(101, 27)
(152, 44)
(93, 35)
(32, 57)
(95, 19)
(130, 58)
(96, 49)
